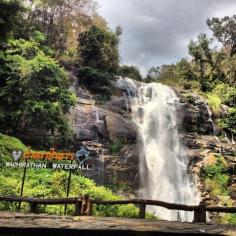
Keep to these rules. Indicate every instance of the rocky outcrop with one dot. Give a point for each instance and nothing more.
(119, 127)
(97, 125)
(202, 141)
(100, 124)
(194, 114)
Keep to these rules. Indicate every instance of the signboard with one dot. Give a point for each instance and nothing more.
(51, 159)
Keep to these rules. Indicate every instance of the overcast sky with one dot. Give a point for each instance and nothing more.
(157, 32)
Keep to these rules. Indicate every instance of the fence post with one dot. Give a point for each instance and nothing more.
(89, 210)
(77, 207)
(84, 204)
(33, 207)
(142, 209)
(200, 213)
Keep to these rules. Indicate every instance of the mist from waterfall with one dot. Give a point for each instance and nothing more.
(163, 163)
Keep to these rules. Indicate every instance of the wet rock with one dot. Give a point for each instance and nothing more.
(118, 127)
(121, 171)
(83, 122)
(118, 105)
(194, 114)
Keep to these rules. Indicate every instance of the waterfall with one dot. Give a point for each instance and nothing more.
(210, 117)
(232, 138)
(163, 163)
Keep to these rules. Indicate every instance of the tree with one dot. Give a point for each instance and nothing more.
(184, 70)
(61, 21)
(202, 55)
(224, 30)
(96, 81)
(33, 91)
(200, 49)
(98, 49)
(10, 12)
(129, 71)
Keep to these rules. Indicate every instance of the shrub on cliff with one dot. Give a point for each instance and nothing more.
(229, 122)
(130, 72)
(33, 90)
(96, 81)
(98, 49)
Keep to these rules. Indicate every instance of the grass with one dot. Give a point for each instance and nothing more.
(214, 102)
(7, 145)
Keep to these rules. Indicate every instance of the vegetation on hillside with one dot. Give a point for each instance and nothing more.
(131, 72)
(34, 91)
(99, 59)
(48, 183)
(217, 178)
(210, 72)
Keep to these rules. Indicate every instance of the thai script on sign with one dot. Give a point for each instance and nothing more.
(51, 155)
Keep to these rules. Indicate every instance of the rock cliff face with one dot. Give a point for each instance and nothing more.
(100, 125)
(204, 141)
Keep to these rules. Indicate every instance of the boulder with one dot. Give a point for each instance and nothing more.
(119, 127)
(83, 123)
(118, 105)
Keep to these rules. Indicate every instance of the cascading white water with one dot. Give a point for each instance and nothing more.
(163, 163)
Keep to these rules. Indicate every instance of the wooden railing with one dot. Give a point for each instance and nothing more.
(84, 205)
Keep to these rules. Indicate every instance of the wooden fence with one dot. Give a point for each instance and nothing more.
(84, 205)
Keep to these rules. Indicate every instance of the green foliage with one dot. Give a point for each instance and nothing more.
(130, 72)
(38, 37)
(229, 122)
(10, 12)
(34, 90)
(99, 49)
(8, 144)
(96, 81)
(214, 102)
(116, 145)
(217, 178)
(224, 30)
(218, 168)
(60, 21)
(99, 59)
(232, 219)
(184, 71)
(226, 93)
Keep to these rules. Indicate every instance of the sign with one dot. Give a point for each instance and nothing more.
(51, 159)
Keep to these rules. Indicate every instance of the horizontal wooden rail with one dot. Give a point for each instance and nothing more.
(222, 209)
(41, 201)
(84, 205)
(172, 206)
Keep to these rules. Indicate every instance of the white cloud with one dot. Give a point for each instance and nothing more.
(157, 32)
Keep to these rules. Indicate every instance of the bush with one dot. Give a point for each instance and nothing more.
(34, 91)
(96, 81)
(8, 144)
(229, 122)
(214, 102)
(130, 72)
(226, 93)
(217, 178)
(98, 49)
(116, 145)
